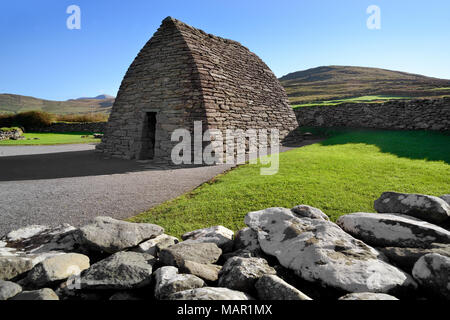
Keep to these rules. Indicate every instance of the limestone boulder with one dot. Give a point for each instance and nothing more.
(154, 246)
(169, 281)
(247, 240)
(432, 272)
(405, 258)
(121, 271)
(199, 252)
(367, 296)
(305, 211)
(221, 236)
(9, 289)
(56, 268)
(208, 272)
(11, 266)
(389, 230)
(320, 251)
(272, 287)
(424, 207)
(446, 198)
(42, 294)
(210, 293)
(241, 274)
(111, 235)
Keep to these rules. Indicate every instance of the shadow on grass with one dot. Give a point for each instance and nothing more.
(425, 145)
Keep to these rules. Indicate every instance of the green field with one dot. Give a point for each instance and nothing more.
(363, 99)
(51, 138)
(343, 174)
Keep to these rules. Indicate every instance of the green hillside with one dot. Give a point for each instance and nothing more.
(337, 84)
(12, 103)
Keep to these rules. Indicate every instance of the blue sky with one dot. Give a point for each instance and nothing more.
(40, 57)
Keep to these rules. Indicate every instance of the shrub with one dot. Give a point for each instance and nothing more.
(96, 117)
(33, 119)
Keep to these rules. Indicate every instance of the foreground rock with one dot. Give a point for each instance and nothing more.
(204, 253)
(43, 294)
(319, 250)
(208, 272)
(424, 207)
(367, 296)
(8, 289)
(154, 246)
(272, 287)
(221, 236)
(110, 235)
(169, 281)
(405, 258)
(304, 211)
(58, 268)
(11, 267)
(432, 272)
(22, 249)
(242, 273)
(388, 230)
(122, 270)
(210, 293)
(446, 198)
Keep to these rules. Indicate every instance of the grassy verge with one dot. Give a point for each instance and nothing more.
(364, 99)
(51, 139)
(343, 174)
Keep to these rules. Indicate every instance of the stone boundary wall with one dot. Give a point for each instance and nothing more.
(283, 254)
(6, 135)
(433, 114)
(96, 127)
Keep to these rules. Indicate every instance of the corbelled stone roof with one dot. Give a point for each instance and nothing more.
(186, 74)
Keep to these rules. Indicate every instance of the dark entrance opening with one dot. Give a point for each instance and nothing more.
(148, 136)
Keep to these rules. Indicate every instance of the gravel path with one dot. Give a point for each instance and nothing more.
(8, 151)
(56, 186)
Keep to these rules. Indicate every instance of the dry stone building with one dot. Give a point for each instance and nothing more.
(184, 75)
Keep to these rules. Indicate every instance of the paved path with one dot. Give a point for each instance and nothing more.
(59, 186)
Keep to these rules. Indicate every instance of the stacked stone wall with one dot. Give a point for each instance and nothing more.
(433, 114)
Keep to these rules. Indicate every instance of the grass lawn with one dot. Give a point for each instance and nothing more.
(343, 174)
(51, 138)
(364, 99)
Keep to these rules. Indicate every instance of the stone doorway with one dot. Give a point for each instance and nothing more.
(148, 136)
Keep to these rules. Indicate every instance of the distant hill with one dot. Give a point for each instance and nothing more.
(342, 82)
(12, 103)
(100, 97)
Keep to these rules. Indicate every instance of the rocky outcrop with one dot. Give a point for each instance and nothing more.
(424, 207)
